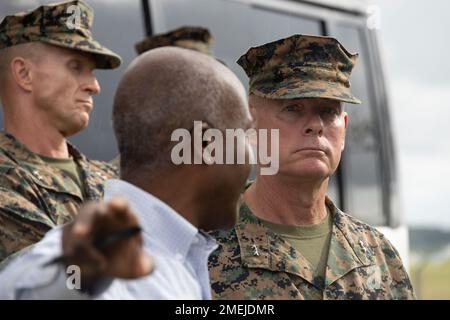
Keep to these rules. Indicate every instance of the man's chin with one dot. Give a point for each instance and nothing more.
(75, 127)
(310, 172)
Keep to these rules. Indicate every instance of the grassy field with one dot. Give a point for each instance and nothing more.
(432, 280)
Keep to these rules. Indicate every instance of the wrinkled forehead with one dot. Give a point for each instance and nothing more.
(313, 102)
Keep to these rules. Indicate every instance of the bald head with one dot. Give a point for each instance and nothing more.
(168, 88)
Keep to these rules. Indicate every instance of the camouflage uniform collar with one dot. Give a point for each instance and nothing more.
(349, 248)
(42, 173)
(260, 247)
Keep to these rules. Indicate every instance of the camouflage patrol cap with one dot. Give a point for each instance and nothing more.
(300, 66)
(65, 24)
(194, 38)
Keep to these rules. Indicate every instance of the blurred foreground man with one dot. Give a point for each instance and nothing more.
(46, 89)
(194, 38)
(163, 90)
(291, 241)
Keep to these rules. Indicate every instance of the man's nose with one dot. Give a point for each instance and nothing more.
(313, 125)
(91, 85)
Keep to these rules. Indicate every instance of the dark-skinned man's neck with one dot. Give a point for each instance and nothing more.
(167, 188)
(297, 203)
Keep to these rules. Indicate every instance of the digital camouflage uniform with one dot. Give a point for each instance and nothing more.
(300, 67)
(35, 197)
(252, 261)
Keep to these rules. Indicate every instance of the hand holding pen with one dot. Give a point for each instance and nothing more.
(105, 240)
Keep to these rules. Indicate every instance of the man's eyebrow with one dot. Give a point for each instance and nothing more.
(85, 58)
(293, 103)
(331, 104)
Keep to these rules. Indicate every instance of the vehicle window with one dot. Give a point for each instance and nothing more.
(235, 26)
(361, 159)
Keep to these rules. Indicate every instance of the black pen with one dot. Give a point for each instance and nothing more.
(104, 242)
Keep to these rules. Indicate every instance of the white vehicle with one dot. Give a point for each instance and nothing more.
(365, 184)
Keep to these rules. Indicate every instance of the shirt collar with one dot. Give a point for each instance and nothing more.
(158, 220)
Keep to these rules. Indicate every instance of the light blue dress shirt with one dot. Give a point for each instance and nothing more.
(180, 252)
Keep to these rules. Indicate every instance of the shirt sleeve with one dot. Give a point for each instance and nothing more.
(28, 276)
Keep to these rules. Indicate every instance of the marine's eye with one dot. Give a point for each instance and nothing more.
(293, 108)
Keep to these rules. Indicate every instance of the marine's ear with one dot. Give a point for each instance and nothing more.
(345, 115)
(21, 73)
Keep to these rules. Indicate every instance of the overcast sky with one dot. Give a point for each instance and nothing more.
(415, 44)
